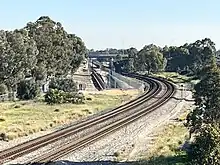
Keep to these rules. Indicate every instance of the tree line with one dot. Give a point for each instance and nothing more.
(204, 121)
(198, 59)
(186, 59)
(40, 50)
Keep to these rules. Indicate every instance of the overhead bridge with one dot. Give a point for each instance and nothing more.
(105, 55)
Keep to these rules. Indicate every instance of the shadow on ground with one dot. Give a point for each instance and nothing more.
(161, 160)
(169, 160)
(84, 163)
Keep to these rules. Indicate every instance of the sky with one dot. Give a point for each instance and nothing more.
(121, 23)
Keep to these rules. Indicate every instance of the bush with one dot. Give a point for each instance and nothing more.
(3, 89)
(66, 85)
(27, 89)
(205, 149)
(55, 96)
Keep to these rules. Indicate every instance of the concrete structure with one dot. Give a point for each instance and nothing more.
(83, 77)
(96, 55)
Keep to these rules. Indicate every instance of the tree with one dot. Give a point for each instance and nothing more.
(17, 55)
(178, 58)
(207, 99)
(206, 147)
(189, 58)
(132, 52)
(27, 89)
(59, 52)
(201, 52)
(204, 120)
(118, 57)
(66, 85)
(149, 58)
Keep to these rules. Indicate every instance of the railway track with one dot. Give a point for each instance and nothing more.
(94, 136)
(32, 145)
(98, 81)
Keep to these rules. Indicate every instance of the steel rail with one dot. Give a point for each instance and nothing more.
(73, 145)
(34, 144)
(98, 80)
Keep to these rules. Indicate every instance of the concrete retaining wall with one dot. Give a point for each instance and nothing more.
(125, 82)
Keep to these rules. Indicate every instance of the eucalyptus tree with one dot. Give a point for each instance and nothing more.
(59, 52)
(204, 120)
(149, 58)
(18, 54)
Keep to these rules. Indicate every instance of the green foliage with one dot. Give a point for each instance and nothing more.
(59, 52)
(189, 58)
(206, 148)
(77, 98)
(3, 89)
(27, 89)
(55, 96)
(178, 58)
(64, 84)
(207, 99)
(40, 49)
(149, 58)
(17, 55)
(204, 120)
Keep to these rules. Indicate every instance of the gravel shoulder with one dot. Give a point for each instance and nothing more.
(131, 140)
(134, 138)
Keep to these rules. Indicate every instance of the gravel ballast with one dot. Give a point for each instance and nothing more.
(107, 148)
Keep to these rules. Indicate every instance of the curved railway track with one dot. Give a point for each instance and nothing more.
(98, 81)
(30, 146)
(74, 145)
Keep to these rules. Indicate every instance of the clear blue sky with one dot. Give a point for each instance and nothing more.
(122, 23)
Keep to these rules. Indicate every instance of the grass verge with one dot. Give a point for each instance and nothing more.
(166, 148)
(174, 77)
(22, 118)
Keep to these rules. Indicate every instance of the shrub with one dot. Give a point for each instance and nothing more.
(205, 149)
(80, 98)
(54, 96)
(3, 89)
(66, 85)
(27, 89)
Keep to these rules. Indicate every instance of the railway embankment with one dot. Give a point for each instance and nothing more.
(137, 138)
(126, 138)
(25, 120)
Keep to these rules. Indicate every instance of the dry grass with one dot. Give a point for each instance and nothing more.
(173, 76)
(166, 147)
(168, 141)
(118, 92)
(22, 118)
